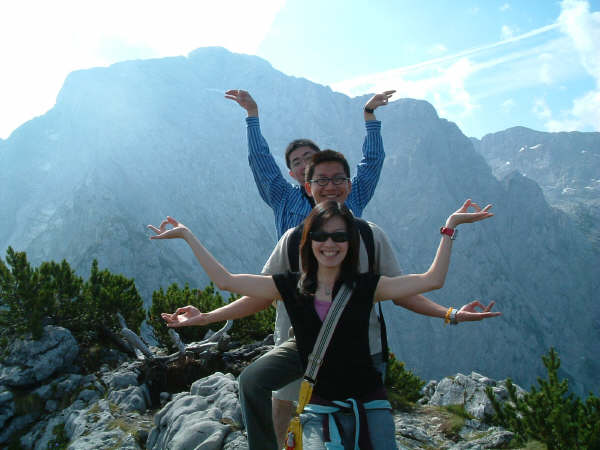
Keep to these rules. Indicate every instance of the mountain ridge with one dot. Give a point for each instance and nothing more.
(143, 139)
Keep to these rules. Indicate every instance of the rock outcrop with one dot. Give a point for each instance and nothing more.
(29, 362)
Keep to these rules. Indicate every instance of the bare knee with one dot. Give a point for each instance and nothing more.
(282, 413)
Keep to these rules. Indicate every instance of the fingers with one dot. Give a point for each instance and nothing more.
(389, 93)
(182, 310)
(476, 304)
(489, 307)
(153, 228)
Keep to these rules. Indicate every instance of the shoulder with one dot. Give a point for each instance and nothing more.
(278, 260)
(367, 279)
(287, 284)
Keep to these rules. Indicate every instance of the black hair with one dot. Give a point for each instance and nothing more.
(323, 156)
(320, 214)
(297, 143)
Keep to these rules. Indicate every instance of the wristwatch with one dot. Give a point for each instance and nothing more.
(453, 320)
(369, 110)
(449, 231)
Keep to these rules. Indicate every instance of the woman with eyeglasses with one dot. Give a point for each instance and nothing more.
(329, 254)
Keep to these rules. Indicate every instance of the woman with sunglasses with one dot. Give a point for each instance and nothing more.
(329, 253)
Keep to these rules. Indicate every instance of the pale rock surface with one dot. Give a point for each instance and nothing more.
(201, 419)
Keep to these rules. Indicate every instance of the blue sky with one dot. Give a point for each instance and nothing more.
(485, 65)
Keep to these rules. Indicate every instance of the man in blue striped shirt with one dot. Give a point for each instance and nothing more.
(289, 202)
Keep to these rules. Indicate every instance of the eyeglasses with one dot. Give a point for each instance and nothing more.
(303, 159)
(336, 236)
(324, 181)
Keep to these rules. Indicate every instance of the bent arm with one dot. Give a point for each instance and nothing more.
(369, 168)
(267, 175)
(409, 285)
(260, 286)
(434, 278)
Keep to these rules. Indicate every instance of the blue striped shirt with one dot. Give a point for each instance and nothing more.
(289, 202)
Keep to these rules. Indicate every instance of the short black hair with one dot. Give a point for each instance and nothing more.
(326, 155)
(297, 143)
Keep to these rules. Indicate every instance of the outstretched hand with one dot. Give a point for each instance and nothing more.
(176, 232)
(184, 317)
(462, 214)
(244, 99)
(468, 313)
(379, 99)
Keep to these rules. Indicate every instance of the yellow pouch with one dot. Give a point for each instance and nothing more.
(294, 439)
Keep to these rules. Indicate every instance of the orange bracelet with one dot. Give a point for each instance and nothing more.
(447, 317)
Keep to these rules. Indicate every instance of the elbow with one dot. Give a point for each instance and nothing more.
(435, 282)
(223, 283)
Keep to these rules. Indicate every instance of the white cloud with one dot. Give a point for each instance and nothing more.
(50, 39)
(504, 7)
(583, 28)
(437, 50)
(445, 80)
(507, 32)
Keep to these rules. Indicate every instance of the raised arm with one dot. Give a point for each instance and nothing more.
(271, 184)
(260, 286)
(244, 99)
(409, 285)
(369, 168)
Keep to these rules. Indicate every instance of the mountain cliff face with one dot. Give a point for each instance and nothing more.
(565, 165)
(129, 144)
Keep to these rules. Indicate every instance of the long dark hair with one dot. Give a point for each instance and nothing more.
(319, 215)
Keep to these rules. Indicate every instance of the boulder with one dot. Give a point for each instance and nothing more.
(32, 361)
(204, 418)
(469, 391)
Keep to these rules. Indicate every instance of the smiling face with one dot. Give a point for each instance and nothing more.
(330, 253)
(298, 160)
(337, 192)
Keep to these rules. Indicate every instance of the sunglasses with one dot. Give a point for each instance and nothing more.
(336, 236)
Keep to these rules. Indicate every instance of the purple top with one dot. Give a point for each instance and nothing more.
(322, 307)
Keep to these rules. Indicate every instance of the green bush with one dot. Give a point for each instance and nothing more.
(255, 327)
(403, 386)
(28, 295)
(550, 414)
(248, 329)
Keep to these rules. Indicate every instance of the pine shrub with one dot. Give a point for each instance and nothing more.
(550, 414)
(403, 386)
(53, 293)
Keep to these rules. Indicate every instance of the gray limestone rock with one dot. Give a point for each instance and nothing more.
(469, 391)
(31, 361)
(126, 375)
(132, 398)
(202, 419)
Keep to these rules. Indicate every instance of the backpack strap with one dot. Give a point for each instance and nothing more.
(293, 248)
(367, 236)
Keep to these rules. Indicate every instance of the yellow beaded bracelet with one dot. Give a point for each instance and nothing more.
(447, 317)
